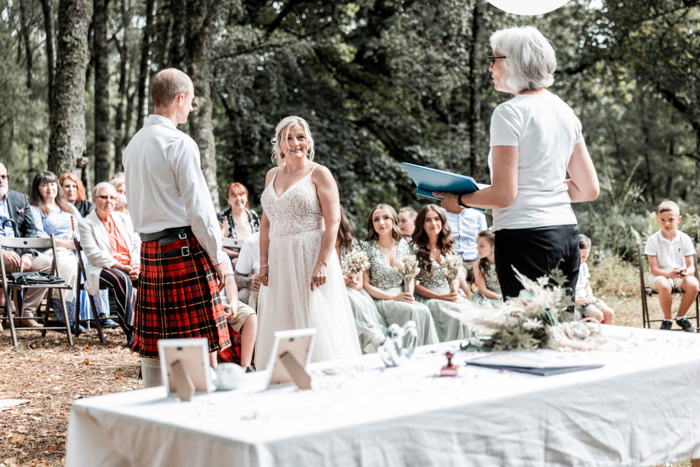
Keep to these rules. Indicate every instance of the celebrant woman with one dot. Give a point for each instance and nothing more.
(535, 140)
(385, 247)
(298, 261)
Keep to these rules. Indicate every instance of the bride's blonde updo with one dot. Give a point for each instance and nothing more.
(281, 133)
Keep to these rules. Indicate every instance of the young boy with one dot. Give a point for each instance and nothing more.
(586, 303)
(670, 253)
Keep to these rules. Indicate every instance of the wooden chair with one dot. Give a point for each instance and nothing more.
(96, 318)
(12, 290)
(647, 292)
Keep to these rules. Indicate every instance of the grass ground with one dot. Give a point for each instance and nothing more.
(52, 375)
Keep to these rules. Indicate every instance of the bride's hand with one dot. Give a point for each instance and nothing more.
(263, 274)
(318, 277)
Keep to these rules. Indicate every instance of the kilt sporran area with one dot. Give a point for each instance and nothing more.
(178, 298)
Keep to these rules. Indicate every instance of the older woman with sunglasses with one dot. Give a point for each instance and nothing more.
(535, 140)
(113, 252)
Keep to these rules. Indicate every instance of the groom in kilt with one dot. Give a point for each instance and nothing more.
(182, 261)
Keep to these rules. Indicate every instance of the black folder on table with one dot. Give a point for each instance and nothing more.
(428, 180)
(534, 363)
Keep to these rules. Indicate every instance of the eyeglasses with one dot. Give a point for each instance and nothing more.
(492, 60)
(3, 177)
(105, 198)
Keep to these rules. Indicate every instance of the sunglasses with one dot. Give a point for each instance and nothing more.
(492, 60)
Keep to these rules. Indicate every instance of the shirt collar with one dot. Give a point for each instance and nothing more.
(154, 119)
(675, 239)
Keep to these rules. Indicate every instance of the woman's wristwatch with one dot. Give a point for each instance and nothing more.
(459, 201)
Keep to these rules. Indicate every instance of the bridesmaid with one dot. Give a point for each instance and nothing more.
(370, 325)
(384, 245)
(432, 241)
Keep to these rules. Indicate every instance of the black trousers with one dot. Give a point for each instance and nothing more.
(535, 253)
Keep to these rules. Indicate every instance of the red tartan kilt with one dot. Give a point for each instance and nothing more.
(178, 298)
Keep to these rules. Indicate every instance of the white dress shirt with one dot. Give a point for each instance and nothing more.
(165, 187)
(465, 226)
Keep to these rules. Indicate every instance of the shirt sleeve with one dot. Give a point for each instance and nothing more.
(483, 225)
(195, 195)
(650, 249)
(688, 247)
(505, 127)
(244, 265)
(578, 130)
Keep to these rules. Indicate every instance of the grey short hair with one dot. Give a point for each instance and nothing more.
(101, 185)
(530, 58)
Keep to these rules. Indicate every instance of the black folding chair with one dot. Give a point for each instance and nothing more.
(647, 292)
(96, 318)
(12, 289)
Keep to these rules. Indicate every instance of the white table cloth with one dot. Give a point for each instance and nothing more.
(642, 408)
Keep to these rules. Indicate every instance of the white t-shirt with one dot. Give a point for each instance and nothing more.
(545, 130)
(669, 254)
(249, 254)
(583, 276)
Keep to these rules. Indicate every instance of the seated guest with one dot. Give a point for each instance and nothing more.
(113, 252)
(407, 222)
(55, 216)
(431, 243)
(385, 245)
(670, 254)
(242, 319)
(120, 185)
(489, 293)
(247, 268)
(371, 327)
(74, 192)
(239, 221)
(16, 220)
(587, 305)
(465, 226)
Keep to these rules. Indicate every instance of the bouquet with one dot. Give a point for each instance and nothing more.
(407, 267)
(451, 265)
(355, 262)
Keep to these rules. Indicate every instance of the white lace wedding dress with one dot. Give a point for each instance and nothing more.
(296, 228)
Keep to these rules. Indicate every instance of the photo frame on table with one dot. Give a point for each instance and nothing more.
(291, 354)
(184, 364)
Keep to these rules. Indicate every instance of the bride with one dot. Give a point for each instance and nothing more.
(298, 261)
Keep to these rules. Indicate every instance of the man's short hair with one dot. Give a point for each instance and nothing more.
(667, 206)
(412, 214)
(167, 85)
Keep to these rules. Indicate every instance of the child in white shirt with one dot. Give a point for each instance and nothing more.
(670, 254)
(586, 304)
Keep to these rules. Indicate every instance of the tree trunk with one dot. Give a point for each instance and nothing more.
(145, 64)
(67, 121)
(120, 131)
(475, 92)
(103, 162)
(26, 37)
(50, 53)
(178, 12)
(199, 17)
(31, 172)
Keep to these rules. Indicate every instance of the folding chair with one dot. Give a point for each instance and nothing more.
(96, 318)
(648, 292)
(12, 290)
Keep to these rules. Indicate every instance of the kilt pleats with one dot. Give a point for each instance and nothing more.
(178, 298)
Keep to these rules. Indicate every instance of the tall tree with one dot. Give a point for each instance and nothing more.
(124, 82)
(26, 39)
(100, 50)
(200, 14)
(47, 9)
(145, 64)
(475, 130)
(67, 120)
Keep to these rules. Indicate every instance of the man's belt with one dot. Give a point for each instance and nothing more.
(167, 236)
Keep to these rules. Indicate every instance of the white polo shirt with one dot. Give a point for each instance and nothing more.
(670, 253)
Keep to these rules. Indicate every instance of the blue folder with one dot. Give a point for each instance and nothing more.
(428, 180)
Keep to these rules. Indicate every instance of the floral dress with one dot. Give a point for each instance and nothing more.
(64, 225)
(452, 319)
(370, 325)
(386, 278)
(226, 218)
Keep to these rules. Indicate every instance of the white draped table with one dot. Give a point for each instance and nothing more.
(641, 408)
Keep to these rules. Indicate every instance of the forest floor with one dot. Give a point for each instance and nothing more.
(52, 375)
